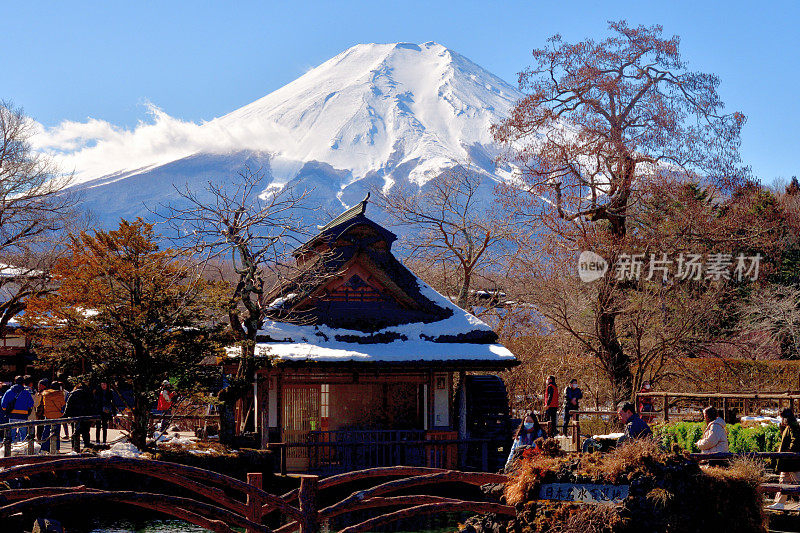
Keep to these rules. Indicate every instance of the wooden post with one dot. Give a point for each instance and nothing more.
(576, 436)
(7, 446)
(265, 411)
(280, 447)
(462, 419)
(76, 438)
(254, 503)
(31, 439)
(308, 503)
(666, 408)
(53, 441)
(279, 408)
(725, 408)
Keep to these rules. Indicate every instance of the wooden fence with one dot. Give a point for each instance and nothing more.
(31, 425)
(742, 403)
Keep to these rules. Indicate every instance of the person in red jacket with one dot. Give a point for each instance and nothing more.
(551, 405)
(164, 406)
(646, 404)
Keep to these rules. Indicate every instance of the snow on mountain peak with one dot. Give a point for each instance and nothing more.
(379, 104)
(398, 112)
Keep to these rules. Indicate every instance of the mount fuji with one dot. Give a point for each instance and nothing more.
(374, 116)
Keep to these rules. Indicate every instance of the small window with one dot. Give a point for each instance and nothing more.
(324, 400)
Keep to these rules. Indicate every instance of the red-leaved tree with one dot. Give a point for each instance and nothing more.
(600, 123)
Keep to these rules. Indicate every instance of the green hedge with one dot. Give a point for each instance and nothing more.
(740, 439)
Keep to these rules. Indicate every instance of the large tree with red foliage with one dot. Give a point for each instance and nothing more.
(601, 123)
(125, 309)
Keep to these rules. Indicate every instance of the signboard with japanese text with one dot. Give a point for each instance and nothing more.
(583, 492)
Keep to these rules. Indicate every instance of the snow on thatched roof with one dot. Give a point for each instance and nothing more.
(460, 337)
(404, 320)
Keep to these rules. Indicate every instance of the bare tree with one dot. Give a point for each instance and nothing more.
(255, 230)
(35, 214)
(450, 227)
(773, 317)
(599, 122)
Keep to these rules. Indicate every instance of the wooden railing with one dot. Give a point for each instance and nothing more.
(335, 452)
(231, 502)
(31, 426)
(744, 403)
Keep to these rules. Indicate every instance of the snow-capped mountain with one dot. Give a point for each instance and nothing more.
(373, 116)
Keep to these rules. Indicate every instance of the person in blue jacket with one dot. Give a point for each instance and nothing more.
(17, 403)
(3, 418)
(635, 427)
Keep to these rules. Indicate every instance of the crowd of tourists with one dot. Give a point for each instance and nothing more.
(29, 400)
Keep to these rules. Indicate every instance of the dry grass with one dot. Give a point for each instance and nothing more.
(674, 494)
(630, 459)
(529, 474)
(207, 448)
(741, 469)
(733, 492)
(660, 498)
(584, 519)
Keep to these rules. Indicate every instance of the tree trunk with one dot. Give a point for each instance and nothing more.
(227, 420)
(463, 295)
(235, 391)
(140, 422)
(614, 359)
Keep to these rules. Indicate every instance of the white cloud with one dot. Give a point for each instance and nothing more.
(97, 148)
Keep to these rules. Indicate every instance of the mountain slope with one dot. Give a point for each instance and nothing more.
(373, 116)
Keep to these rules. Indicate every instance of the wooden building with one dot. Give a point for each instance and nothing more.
(365, 351)
(15, 352)
(16, 284)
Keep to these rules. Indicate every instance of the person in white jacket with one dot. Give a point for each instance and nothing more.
(715, 436)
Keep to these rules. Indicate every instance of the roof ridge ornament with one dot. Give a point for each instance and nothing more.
(358, 209)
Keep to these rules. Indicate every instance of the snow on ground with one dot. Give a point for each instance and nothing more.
(21, 448)
(760, 420)
(609, 436)
(174, 438)
(121, 449)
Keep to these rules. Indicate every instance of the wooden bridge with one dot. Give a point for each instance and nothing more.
(220, 503)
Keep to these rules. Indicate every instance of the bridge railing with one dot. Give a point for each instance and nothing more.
(30, 427)
(217, 502)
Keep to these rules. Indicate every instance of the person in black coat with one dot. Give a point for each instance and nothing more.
(106, 408)
(787, 467)
(572, 395)
(81, 403)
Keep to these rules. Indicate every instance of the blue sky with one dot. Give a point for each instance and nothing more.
(198, 60)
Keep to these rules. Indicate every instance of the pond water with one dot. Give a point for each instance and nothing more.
(143, 526)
